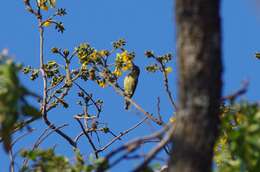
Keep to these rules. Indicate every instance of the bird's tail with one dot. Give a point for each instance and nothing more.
(127, 104)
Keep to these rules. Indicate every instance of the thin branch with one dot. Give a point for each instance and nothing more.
(72, 55)
(135, 144)
(155, 150)
(57, 130)
(54, 103)
(147, 114)
(11, 157)
(85, 117)
(132, 145)
(166, 85)
(54, 86)
(22, 136)
(158, 109)
(138, 156)
(238, 93)
(41, 138)
(52, 95)
(30, 9)
(122, 134)
(21, 125)
(88, 137)
(90, 130)
(30, 93)
(90, 97)
(45, 92)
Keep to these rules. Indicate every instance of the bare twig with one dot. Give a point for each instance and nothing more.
(54, 86)
(158, 109)
(91, 99)
(45, 92)
(41, 138)
(139, 156)
(122, 134)
(155, 150)
(30, 93)
(131, 146)
(30, 9)
(11, 157)
(90, 130)
(53, 94)
(84, 117)
(166, 85)
(135, 144)
(44, 135)
(57, 130)
(54, 103)
(120, 92)
(88, 137)
(238, 93)
(21, 125)
(131, 149)
(22, 136)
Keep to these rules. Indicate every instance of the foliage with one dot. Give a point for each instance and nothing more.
(238, 147)
(47, 160)
(160, 62)
(13, 104)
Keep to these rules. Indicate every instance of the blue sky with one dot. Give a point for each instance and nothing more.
(145, 24)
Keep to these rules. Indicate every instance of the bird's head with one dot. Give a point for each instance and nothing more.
(135, 71)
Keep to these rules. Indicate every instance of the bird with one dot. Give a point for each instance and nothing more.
(130, 83)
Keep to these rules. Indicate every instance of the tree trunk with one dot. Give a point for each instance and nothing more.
(199, 53)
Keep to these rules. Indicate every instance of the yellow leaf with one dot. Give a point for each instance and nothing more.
(42, 4)
(126, 56)
(117, 72)
(172, 119)
(103, 53)
(94, 56)
(168, 70)
(127, 66)
(47, 23)
(102, 84)
(52, 3)
(44, 7)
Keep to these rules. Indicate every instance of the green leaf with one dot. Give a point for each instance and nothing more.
(31, 111)
(257, 55)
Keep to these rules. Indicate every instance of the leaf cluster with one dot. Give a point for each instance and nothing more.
(238, 147)
(160, 62)
(13, 104)
(47, 160)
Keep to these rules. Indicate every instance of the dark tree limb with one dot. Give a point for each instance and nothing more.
(241, 91)
(151, 155)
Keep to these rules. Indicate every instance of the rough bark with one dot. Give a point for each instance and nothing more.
(199, 54)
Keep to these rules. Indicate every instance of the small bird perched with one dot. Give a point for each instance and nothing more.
(130, 83)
